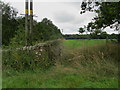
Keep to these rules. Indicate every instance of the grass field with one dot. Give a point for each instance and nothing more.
(79, 68)
(83, 42)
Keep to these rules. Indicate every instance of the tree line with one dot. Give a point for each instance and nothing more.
(13, 28)
(91, 36)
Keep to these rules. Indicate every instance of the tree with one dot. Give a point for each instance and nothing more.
(81, 30)
(47, 22)
(46, 30)
(19, 38)
(9, 23)
(104, 35)
(96, 34)
(108, 14)
(41, 32)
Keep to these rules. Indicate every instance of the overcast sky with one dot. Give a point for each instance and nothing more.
(65, 15)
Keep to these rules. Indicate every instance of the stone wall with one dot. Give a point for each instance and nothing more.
(40, 55)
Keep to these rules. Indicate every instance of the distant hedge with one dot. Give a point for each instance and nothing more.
(90, 36)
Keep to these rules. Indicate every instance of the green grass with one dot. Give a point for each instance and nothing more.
(69, 81)
(58, 79)
(94, 67)
(83, 42)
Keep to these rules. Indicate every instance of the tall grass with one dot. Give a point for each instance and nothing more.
(102, 59)
(84, 67)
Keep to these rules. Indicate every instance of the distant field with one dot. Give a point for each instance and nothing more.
(83, 42)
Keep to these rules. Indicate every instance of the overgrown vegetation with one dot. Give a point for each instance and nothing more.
(87, 63)
(89, 67)
(43, 31)
(9, 23)
(40, 56)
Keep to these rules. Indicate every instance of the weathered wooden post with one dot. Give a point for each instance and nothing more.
(26, 22)
(31, 20)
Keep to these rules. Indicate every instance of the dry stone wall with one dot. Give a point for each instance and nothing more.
(40, 55)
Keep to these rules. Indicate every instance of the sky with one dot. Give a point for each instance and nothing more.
(65, 14)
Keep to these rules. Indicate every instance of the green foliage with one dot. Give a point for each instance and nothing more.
(9, 23)
(46, 30)
(42, 32)
(92, 35)
(25, 60)
(108, 13)
(76, 36)
(105, 35)
(18, 60)
(19, 39)
(42, 57)
(96, 33)
(81, 30)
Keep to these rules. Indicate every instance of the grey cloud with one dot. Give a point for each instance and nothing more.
(63, 17)
(69, 28)
(73, 4)
(110, 31)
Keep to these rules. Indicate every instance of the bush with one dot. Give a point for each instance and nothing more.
(41, 56)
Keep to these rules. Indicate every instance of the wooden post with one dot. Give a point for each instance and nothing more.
(31, 20)
(26, 22)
